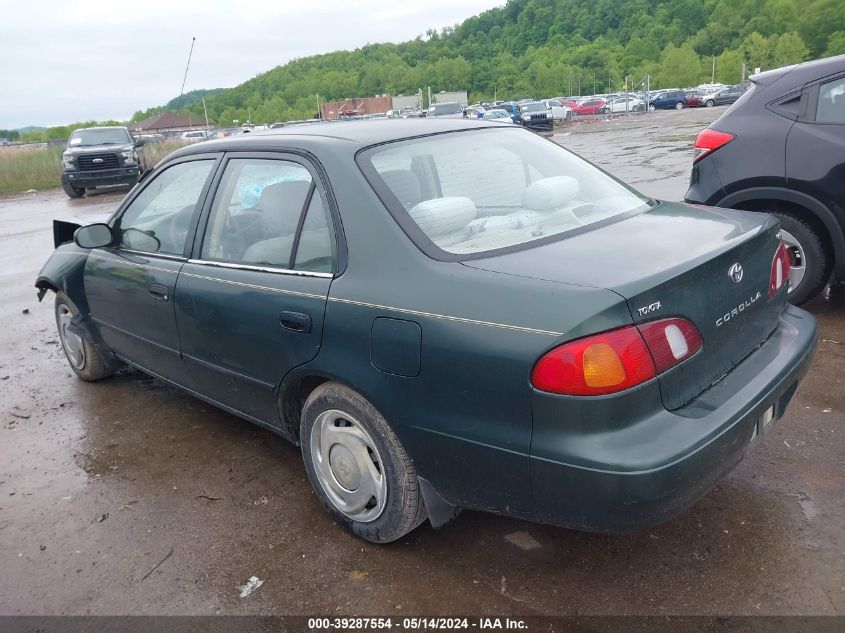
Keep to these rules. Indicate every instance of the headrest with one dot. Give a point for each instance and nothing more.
(404, 184)
(281, 204)
(441, 216)
(549, 194)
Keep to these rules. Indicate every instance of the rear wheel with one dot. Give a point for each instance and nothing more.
(73, 192)
(709, 103)
(651, 108)
(85, 359)
(810, 262)
(357, 466)
(679, 105)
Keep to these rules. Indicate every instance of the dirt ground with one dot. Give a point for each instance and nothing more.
(130, 497)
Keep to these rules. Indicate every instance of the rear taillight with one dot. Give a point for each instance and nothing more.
(780, 270)
(709, 141)
(670, 341)
(617, 360)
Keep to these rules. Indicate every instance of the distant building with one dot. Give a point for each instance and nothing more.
(169, 123)
(355, 107)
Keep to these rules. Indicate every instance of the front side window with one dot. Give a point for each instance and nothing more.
(527, 189)
(255, 217)
(158, 219)
(831, 105)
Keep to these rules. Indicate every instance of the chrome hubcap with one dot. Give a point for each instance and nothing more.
(71, 342)
(348, 466)
(797, 261)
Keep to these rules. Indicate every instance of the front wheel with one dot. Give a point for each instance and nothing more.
(357, 466)
(651, 108)
(679, 105)
(73, 192)
(85, 359)
(810, 263)
(709, 103)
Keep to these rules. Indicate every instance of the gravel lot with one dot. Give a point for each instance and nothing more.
(129, 496)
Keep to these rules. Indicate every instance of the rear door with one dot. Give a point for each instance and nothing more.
(815, 145)
(251, 300)
(130, 286)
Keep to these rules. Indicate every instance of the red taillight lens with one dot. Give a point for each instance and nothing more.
(596, 365)
(709, 141)
(616, 360)
(780, 270)
(670, 341)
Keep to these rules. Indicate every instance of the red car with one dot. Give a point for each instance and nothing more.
(693, 100)
(589, 106)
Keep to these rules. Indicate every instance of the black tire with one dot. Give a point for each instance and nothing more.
(679, 105)
(91, 364)
(73, 192)
(819, 261)
(403, 508)
(709, 103)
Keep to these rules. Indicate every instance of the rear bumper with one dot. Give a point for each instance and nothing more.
(122, 175)
(642, 474)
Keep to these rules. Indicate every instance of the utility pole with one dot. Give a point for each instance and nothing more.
(579, 85)
(713, 72)
(319, 113)
(742, 79)
(570, 87)
(429, 96)
(206, 112)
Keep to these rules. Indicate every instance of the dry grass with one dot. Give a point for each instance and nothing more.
(25, 168)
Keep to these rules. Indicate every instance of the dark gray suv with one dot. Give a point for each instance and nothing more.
(780, 149)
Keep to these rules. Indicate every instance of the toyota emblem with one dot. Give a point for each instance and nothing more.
(735, 273)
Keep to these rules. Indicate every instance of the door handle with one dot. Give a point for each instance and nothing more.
(295, 322)
(159, 291)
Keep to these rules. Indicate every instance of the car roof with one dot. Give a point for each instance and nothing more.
(802, 73)
(352, 134)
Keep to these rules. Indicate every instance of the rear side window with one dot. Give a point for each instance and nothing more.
(831, 104)
(256, 213)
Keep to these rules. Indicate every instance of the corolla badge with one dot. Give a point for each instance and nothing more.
(735, 272)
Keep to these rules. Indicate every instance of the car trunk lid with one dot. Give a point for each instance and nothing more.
(676, 260)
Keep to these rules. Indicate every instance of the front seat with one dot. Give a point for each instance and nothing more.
(280, 206)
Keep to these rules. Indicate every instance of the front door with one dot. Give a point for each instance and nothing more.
(130, 285)
(250, 304)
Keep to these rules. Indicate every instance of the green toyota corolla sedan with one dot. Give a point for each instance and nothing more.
(444, 315)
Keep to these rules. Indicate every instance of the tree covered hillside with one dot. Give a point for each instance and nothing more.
(537, 47)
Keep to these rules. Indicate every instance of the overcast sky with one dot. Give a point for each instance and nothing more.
(64, 61)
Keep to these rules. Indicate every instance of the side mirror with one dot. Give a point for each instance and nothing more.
(93, 236)
(140, 142)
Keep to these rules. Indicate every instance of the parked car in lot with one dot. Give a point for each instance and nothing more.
(497, 114)
(557, 110)
(692, 99)
(667, 100)
(535, 116)
(589, 106)
(506, 339)
(780, 149)
(474, 112)
(100, 156)
(450, 110)
(196, 136)
(512, 108)
(623, 104)
(722, 97)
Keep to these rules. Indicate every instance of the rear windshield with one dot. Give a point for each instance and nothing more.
(529, 189)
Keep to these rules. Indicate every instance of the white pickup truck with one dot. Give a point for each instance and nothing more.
(557, 111)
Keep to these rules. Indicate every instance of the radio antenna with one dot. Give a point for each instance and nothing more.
(185, 78)
(161, 145)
